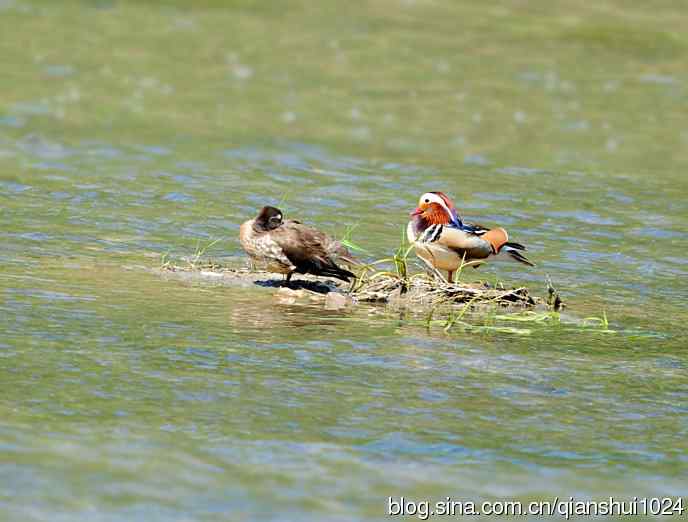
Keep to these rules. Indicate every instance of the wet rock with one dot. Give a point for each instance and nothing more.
(337, 301)
(288, 296)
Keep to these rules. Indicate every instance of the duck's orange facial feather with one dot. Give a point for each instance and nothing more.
(435, 214)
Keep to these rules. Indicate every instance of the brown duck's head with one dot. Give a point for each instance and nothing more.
(269, 218)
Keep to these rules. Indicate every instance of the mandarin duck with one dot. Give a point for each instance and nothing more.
(288, 247)
(444, 241)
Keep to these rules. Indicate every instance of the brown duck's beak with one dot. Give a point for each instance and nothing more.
(417, 212)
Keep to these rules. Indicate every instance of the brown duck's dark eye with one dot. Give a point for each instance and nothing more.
(427, 200)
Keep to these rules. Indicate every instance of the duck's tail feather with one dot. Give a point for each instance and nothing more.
(513, 244)
(513, 251)
(337, 272)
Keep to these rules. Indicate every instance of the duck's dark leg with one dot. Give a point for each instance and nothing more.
(450, 276)
(289, 276)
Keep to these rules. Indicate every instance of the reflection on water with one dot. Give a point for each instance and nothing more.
(129, 132)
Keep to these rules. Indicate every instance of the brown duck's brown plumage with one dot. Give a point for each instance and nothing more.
(289, 247)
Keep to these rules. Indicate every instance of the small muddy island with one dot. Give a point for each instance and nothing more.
(421, 292)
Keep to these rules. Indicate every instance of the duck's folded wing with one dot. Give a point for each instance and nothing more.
(462, 242)
(306, 247)
(498, 240)
(299, 243)
(474, 228)
(334, 250)
(475, 242)
(497, 237)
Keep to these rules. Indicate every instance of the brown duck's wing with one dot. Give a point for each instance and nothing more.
(340, 252)
(334, 248)
(301, 243)
(309, 250)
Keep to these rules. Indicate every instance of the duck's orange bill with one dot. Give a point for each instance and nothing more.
(417, 212)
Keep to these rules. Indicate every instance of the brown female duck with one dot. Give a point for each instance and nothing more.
(289, 247)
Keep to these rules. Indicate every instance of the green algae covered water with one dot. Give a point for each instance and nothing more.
(135, 130)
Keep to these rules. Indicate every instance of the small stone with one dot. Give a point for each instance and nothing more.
(288, 292)
(336, 301)
(207, 273)
(287, 296)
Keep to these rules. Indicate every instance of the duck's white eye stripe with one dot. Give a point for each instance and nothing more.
(429, 197)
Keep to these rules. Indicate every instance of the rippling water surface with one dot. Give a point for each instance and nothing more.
(133, 130)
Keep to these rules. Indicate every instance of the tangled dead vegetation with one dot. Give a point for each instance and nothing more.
(430, 289)
(398, 289)
(425, 290)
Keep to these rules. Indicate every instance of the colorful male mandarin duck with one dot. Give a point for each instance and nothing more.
(445, 242)
(289, 247)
